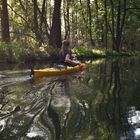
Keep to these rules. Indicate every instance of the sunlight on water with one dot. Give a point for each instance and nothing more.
(61, 102)
(134, 121)
(8, 81)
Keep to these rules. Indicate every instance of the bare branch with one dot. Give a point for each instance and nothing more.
(19, 16)
(22, 5)
(19, 33)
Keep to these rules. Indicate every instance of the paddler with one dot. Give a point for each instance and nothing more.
(67, 58)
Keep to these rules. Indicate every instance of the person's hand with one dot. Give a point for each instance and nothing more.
(77, 62)
(74, 55)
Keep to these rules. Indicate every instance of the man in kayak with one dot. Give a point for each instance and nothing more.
(66, 56)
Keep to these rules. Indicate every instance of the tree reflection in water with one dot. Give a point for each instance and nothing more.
(110, 100)
(97, 105)
(110, 105)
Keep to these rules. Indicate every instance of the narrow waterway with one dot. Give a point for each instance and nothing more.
(101, 103)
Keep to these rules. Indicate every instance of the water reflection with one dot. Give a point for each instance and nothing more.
(134, 122)
(102, 103)
(107, 100)
(110, 99)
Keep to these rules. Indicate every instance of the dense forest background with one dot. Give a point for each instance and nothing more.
(35, 26)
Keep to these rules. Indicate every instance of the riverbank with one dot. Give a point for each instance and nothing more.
(24, 53)
(101, 53)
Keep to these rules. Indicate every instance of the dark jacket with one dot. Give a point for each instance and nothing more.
(63, 56)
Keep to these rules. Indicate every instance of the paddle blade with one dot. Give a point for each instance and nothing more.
(82, 68)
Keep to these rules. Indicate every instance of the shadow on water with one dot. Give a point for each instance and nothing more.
(102, 103)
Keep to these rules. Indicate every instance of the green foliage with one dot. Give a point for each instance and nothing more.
(95, 53)
(26, 52)
(89, 53)
(22, 52)
(75, 23)
(53, 53)
(3, 50)
(98, 52)
(111, 52)
(83, 52)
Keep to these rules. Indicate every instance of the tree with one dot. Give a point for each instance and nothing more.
(117, 22)
(55, 33)
(90, 22)
(106, 26)
(112, 23)
(40, 20)
(5, 22)
(66, 13)
(36, 26)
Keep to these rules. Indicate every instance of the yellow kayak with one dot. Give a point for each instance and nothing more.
(57, 71)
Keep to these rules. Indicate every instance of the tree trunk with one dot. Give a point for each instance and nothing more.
(84, 20)
(112, 27)
(106, 27)
(68, 13)
(123, 20)
(90, 22)
(66, 19)
(5, 22)
(55, 33)
(36, 24)
(42, 17)
(5, 28)
(118, 37)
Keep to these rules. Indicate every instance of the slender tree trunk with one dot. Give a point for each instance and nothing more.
(112, 27)
(76, 21)
(123, 19)
(66, 19)
(5, 28)
(35, 17)
(44, 22)
(96, 8)
(106, 27)
(120, 24)
(73, 24)
(118, 37)
(36, 24)
(55, 33)
(45, 18)
(90, 22)
(5, 22)
(50, 14)
(42, 14)
(65, 23)
(84, 19)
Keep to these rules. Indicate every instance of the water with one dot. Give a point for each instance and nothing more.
(102, 103)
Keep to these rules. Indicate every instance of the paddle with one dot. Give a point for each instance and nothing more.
(82, 68)
(32, 71)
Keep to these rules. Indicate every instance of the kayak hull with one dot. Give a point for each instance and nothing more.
(57, 71)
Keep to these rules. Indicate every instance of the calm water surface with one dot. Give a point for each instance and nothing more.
(102, 103)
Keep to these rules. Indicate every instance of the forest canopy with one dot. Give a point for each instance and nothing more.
(101, 24)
